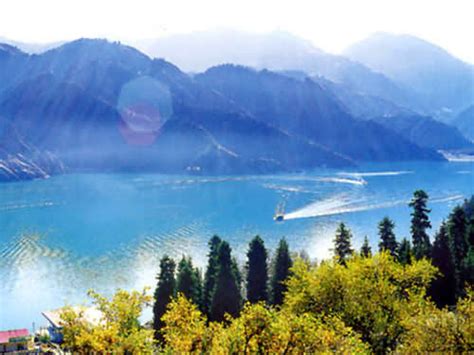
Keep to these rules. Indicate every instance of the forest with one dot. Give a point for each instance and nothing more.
(403, 296)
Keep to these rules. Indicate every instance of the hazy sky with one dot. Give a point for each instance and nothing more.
(331, 25)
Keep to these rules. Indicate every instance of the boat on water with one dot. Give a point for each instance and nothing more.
(279, 213)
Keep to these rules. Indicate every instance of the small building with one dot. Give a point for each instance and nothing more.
(14, 341)
(89, 314)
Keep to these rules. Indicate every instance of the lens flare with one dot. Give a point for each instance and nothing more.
(144, 104)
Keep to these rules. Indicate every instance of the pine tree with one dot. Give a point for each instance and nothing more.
(226, 297)
(419, 223)
(211, 272)
(387, 236)
(342, 243)
(237, 274)
(164, 292)
(365, 250)
(404, 252)
(443, 288)
(457, 230)
(467, 272)
(282, 264)
(257, 272)
(468, 207)
(188, 281)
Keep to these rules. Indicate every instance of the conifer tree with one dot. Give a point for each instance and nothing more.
(443, 288)
(282, 264)
(210, 275)
(342, 243)
(457, 230)
(257, 272)
(419, 224)
(404, 252)
(365, 250)
(237, 274)
(226, 297)
(188, 281)
(387, 236)
(164, 292)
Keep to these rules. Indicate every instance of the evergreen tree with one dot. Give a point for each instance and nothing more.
(419, 224)
(468, 268)
(237, 274)
(342, 243)
(211, 272)
(188, 281)
(365, 250)
(457, 230)
(468, 207)
(470, 233)
(281, 270)
(257, 272)
(226, 297)
(387, 236)
(404, 252)
(164, 292)
(458, 244)
(443, 288)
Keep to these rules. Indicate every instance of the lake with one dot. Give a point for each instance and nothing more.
(62, 236)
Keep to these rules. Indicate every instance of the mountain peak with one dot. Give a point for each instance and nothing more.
(444, 80)
(7, 49)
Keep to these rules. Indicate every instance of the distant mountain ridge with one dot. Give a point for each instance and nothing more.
(465, 122)
(445, 83)
(68, 103)
(275, 51)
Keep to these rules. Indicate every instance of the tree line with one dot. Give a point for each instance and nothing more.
(452, 250)
(221, 290)
(409, 296)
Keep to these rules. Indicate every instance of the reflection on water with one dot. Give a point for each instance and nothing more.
(63, 236)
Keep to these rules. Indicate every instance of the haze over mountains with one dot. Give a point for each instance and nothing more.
(444, 82)
(93, 105)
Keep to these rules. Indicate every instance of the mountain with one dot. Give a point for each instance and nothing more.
(305, 109)
(93, 105)
(426, 132)
(445, 83)
(12, 63)
(464, 121)
(361, 105)
(22, 161)
(71, 103)
(31, 48)
(277, 51)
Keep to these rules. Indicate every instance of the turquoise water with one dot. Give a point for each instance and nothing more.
(62, 236)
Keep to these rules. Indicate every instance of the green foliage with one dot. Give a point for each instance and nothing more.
(188, 281)
(281, 270)
(404, 252)
(434, 330)
(211, 272)
(257, 271)
(419, 224)
(467, 272)
(185, 329)
(117, 331)
(443, 288)
(365, 250)
(165, 290)
(387, 236)
(226, 298)
(258, 330)
(457, 233)
(342, 244)
(370, 295)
